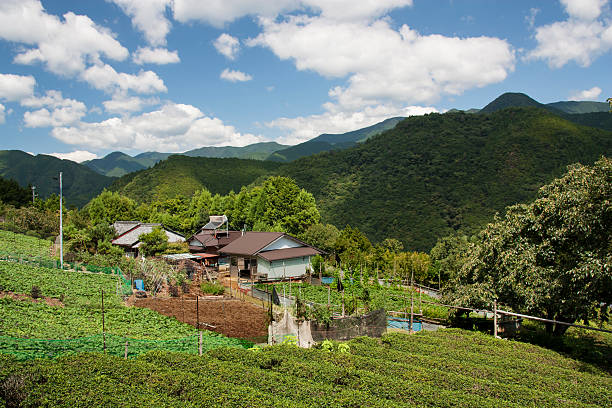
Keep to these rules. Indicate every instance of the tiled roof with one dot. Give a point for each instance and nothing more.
(121, 227)
(130, 238)
(288, 253)
(251, 243)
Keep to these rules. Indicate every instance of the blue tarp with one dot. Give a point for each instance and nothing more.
(139, 284)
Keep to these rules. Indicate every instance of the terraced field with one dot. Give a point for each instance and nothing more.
(449, 368)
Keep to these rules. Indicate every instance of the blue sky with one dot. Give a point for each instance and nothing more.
(80, 79)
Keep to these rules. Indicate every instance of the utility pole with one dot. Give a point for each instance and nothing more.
(61, 226)
(33, 194)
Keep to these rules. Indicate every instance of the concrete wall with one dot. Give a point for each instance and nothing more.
(292, 267)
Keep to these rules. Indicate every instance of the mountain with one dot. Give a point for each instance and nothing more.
(115, 164)
(327, 142)
(118, 164)
(80, 183)
(513, 99)
(580, 106)
(256, 151)
(183, 175)
(439, 173)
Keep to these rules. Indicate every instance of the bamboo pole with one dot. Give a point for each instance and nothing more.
(126, 350)
(495, 318)
(103, 327)
(198, 312)
(200, 344)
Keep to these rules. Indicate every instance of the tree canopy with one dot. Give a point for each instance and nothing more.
(551, 257)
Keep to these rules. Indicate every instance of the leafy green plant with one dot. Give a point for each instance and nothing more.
(212, 288)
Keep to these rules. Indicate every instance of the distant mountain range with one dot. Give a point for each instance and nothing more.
(80, 183)
(118, 164)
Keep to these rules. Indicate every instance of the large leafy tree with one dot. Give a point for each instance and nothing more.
(153, 243)
(550, 258)
(109, 207)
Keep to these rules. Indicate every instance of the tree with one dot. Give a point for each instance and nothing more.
(551, 257)
(153, 243)
(109, 207)
(322, 236)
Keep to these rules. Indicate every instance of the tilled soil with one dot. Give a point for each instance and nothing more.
(232, 317)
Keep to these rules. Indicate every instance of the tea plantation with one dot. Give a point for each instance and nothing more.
(449, 368)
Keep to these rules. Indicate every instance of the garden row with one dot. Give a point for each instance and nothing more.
(24, 245)
(398, 371)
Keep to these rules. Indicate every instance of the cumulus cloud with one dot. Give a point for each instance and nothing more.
(586, 95)
(148, 17)
(220, 12)
(78, 156)
(2, 114)
(581, 38)
(104, 77)
(234, 76)
(55, 110)
(304, 128)
(124, 104)
(172, 128)
(227, 45)
(416, 68)
(16, 87)
(158, 56)
(63, 46)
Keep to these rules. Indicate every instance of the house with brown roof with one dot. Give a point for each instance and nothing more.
(213, 236)
(129, 231)
(270, 255)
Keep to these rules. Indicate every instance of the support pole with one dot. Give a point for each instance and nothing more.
(126, 350)
(495, 318)
(198, 312)
(61, 226)
(328, 296)
(200, 344)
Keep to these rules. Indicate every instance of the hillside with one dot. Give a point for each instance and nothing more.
(515, 99)
(435, 174)
(80, 183)
(327, 142)
(118, 164)
(184, 175)
(580, 106)
(448, 368)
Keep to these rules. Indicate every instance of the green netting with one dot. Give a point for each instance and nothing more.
(27, 349)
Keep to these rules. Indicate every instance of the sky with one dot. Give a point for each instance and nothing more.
(81, 79)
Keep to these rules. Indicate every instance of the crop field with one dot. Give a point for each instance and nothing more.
(73, 288)
(448, 368)
(73, 322)
(23, 245)
(389, 298)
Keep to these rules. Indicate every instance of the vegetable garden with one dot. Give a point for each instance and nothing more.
(447, 368)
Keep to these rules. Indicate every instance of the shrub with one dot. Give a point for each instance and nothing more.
(212, 288)
(36, 293)
(174, 292)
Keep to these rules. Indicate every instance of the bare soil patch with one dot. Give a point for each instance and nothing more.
(22, 296)
(231, 317)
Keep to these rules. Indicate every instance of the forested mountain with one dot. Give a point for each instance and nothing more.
(514, 99)
(80, 184)
(327, 142)
(117, 164)
(580, 106)
(184, 175)
(435, 174)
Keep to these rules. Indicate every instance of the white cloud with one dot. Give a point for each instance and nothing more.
(104, 77)
(124, 105)
(159, 56)
(306, 127)
(220, 12)
(227, 45)
(62, 111)
(530, 18)
(64, 46)
(78, 156)
(385, 65)
(584, 9)
(172, 128)
(2, 114)
(586, 95)
(581, 38)
(16, 87)
(148, 17)
(234, 76)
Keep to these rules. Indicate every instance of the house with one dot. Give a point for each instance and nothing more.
(213, 236)
(129, 231)
(269, 255)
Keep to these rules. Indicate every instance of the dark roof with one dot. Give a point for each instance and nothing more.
(251, 243)
(288, 253)
(210, 239)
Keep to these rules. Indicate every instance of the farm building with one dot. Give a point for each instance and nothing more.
(213, 236)
(269, 255)
(129, 231)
